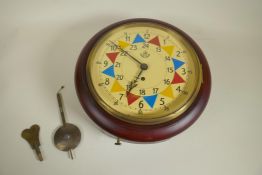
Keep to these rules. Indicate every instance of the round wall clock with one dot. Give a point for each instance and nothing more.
(142, 80)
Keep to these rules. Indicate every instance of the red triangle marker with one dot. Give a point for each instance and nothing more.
(112, 56)
(177, 79)
(131, 98)
(155, 41)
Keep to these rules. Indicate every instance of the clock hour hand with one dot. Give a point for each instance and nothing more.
(131, 86)
(133, 83)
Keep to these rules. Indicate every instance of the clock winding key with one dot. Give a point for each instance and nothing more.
(32, 137)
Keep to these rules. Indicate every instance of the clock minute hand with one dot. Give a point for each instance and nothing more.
(122, 50)
(143, 67)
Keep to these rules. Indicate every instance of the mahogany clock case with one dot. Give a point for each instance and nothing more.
(136, 132)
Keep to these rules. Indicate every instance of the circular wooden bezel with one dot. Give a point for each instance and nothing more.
(135, 132)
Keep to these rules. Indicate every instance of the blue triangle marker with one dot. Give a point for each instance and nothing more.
(110, 71)
(150, 100)
(138, 39)
(177, 63)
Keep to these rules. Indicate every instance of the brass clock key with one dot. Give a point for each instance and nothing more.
(32, 137)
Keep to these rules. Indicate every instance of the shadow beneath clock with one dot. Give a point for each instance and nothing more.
(59, 62)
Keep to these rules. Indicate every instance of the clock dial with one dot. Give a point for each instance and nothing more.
(143, 73)
(142, 80)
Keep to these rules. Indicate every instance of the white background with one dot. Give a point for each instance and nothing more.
(40, 42)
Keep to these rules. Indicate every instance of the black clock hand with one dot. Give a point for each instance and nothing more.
(143, 66)
(122, 50)
(133, 83)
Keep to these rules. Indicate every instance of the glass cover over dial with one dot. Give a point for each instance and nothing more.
(143, 73)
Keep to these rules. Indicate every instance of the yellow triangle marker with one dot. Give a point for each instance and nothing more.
(168, 92)
(123, 44)
(117, 87)
(169, 50)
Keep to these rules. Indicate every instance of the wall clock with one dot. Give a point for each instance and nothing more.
(142, 80)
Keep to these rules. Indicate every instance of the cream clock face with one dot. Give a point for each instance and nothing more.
(143, 73)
